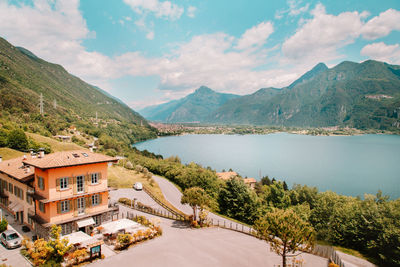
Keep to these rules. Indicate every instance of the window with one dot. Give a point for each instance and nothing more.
(66, 228)
(97, 220)
(85, 155)
(79, 184)
(28, 198)
(95, 178)
(41, 182)
(41, 207)
(64, 206)
(95, 199)
(10, 188)
(64, 183)
(15, 190)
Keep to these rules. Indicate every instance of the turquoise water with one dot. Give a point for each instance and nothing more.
(350, 165)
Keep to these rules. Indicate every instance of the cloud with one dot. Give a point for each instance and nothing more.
(191, 11)
(256, 36)
(382, 25)
(319, 38)
(382, 52)
(150, 35)
(294, 9)
(161, 9)
(37, 28)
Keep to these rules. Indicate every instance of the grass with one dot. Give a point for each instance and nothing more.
(55, 145)
(120, 177)
(355, 253)
(8, 153)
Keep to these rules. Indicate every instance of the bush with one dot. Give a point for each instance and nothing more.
(124, 240)
(3, 225)
(17, 140)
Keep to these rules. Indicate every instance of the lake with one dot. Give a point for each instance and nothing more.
(349, 165)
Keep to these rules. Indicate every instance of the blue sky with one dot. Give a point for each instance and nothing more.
(151, 51)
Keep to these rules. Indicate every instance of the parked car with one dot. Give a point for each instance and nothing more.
(138, 186)
(10, 239)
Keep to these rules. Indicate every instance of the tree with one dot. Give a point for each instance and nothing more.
(196, 197)
(238, 201)
(3, 225)
(59, 246)
(17, 140)
(285, 232)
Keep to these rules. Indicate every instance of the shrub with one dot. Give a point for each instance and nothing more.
(129, 165)
(124, 240)
(3, 225)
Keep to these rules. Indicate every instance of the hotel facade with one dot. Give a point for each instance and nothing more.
(66, 188)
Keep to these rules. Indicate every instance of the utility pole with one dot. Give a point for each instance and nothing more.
(41, 104)
(55, 104)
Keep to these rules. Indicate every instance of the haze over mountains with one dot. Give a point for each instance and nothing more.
(361, 95)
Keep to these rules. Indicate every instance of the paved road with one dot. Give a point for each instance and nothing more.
(131, 193)
(12, 257)
(183, 246)
(173, 195)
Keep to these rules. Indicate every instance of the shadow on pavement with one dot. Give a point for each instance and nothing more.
(181, 225)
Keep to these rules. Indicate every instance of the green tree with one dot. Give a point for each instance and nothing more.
(17, 140)
(59, 246)
(238, 201)
(285, 231)
(196, 198)
(278, 196)
(3, 225)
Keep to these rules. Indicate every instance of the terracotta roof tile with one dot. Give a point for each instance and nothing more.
(249, 180)
(16, 169)
(68, 158)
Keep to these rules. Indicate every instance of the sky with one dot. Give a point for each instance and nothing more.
(147, 52)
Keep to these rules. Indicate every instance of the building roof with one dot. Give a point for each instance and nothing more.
(67, 159)
(226, 175)
(16, 169)
(249, 180)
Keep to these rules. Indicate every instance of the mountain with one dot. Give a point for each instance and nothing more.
(24, 77)
(192, 108)
(362, 95)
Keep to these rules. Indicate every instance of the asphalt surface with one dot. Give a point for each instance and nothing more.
(173, 195)
(183, 246)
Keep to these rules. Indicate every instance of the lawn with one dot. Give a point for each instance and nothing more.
(8, 153)
(120, 177)
(56, 146)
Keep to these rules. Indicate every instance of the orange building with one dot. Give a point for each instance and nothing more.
(68, 189)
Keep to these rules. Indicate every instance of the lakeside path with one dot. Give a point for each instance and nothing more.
(180, 245)
(173, 196)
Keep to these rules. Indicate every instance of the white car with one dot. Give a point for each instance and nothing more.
(10, 239)
(138, 186)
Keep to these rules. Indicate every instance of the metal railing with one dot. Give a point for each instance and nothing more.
(157, 212)
(159, 202)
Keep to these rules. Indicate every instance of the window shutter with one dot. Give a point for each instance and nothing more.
(87, 177)
(44, 208)
(22, 194)
(100, 198)
(89, 201)
(59, 207)
(69, 205)
(75, 207)
(58, 184)
(70, 182)
(75, 187)
(99, 176)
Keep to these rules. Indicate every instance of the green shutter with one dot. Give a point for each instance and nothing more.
(75, 207)
(88, 201)
(59, 207)
(70, 182)
(86, 183)
(75, 187)
(58, 184)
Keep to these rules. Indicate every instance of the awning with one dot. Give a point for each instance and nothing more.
(16, 207)
(85, 222)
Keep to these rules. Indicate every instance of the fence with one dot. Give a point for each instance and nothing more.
(157, 212)
(181, 215)
(329, 253)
